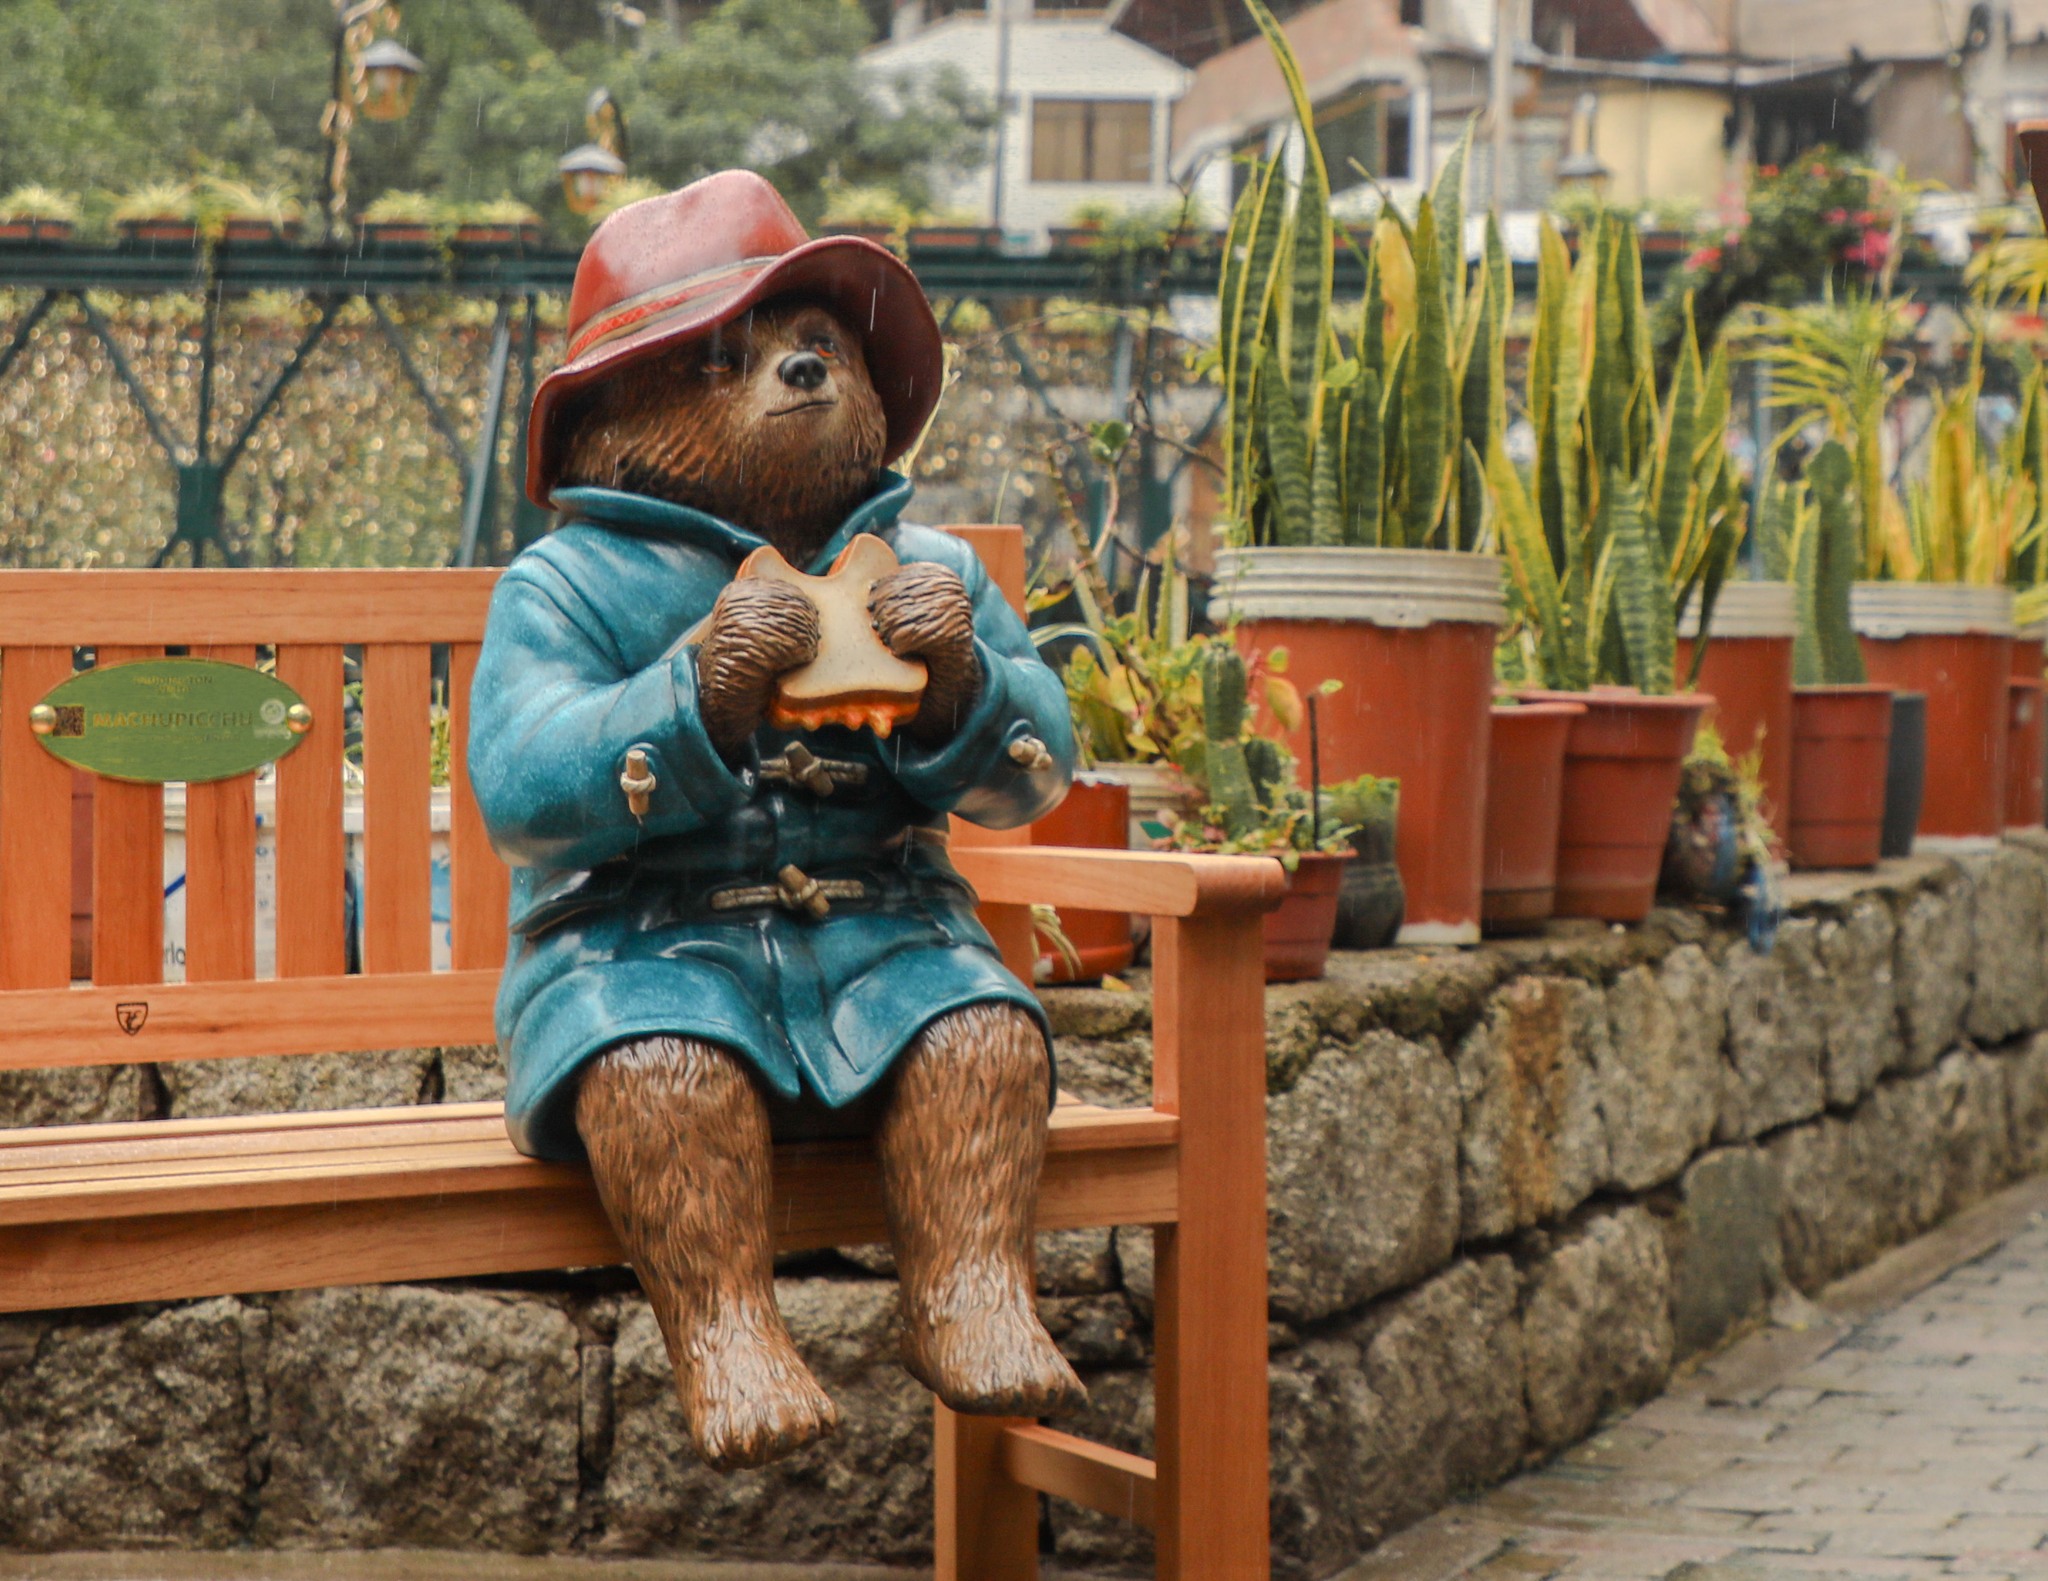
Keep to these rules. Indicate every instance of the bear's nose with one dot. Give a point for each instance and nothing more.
(802, 370)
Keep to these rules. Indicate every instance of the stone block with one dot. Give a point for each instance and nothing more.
(1726, 1264)
(2026, 1095)
(1777, 1033)
(123, 1432)
(1660, 1071)
(1935, 955)
(863, 1494)
(1597, 1326)
(278, 1085)
(1097, 1331)
(403, 1417)
(1863, 1039)
(1976, 1136)
(1074, 1262)
(81, 1095)
(1114, 1073)
(1533, 1144)
(1362, 1171)
(472, 1073)
(2009, 968)
(1134, 1264)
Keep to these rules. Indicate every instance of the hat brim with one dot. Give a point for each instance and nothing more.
(868, 286)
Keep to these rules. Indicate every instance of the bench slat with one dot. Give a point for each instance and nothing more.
(127, 867)
(220, 864)
(35, 825)
(479, 891)
(312, 920)
(71, 607)
(309, 1015)
(397, 808)
(454, 1210)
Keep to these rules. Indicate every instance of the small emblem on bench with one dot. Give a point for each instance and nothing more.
(131, 1016)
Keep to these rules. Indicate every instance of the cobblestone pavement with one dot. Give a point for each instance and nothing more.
(1875, 1438)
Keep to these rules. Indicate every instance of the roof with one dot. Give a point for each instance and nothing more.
(1875, 29)
(1341, 44)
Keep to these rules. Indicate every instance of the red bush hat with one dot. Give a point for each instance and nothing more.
(669, 268)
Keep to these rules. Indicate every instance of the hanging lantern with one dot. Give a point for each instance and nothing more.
(589, 173)
(390, 74)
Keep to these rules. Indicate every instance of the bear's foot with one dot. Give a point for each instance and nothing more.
(747, 1395)
(990, 1357)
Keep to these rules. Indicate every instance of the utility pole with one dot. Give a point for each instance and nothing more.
(999, 11)
(1500, 99)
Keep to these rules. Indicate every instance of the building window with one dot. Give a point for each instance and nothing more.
(1091, 140)
(1411, 13)
(1367, 137)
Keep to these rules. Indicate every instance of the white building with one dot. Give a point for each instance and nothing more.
(1087, 116)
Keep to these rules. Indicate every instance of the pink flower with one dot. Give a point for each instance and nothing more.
(1705, 258)
(1767, 171)
(1838, 216)
(1869, 251)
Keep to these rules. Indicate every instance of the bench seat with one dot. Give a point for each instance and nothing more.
(157, 1210)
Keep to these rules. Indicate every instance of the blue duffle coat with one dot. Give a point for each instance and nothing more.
(613, 932)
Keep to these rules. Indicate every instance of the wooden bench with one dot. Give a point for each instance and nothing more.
(101, 1214)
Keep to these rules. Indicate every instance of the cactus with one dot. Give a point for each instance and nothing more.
(1224, 688)
(1837, 553)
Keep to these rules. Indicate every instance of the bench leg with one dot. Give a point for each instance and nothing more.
(986, 1525)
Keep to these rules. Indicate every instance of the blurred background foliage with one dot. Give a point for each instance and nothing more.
(101, 96)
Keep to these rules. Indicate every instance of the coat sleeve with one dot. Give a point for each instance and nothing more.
(553, 713)
(975, 774)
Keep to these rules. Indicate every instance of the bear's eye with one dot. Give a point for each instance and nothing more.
(825, 346)
(718, 360)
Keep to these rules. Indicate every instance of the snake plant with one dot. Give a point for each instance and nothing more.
(1370, 438)
(1633, 508)
(1808, 534)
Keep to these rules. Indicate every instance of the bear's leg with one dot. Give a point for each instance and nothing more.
(961, 1147)
(678, 1141)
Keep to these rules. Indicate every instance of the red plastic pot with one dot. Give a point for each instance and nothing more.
(1748, 671)
(1409, 634)
(2024, 766)
(1841, 742)
(1524, 800)
(1621, 763)
(1095, 814)
(1955, 644)
(1298, 929)
(2030, 651)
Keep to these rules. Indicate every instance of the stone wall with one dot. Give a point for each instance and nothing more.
(1511, 1188)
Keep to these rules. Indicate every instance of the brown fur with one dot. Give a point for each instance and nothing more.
(923, 610)
(962, 1145)
(758, 631)
(709, 423)
(678, 1141)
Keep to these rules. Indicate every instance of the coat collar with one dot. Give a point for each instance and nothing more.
(659, 518)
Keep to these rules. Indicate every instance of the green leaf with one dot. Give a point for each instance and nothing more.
(1326, 476)
(1364, 461)
(1287, 453)
(1426, 393)
(1642, 605)
(1447, 197)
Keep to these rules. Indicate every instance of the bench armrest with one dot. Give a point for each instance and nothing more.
(1150, 883)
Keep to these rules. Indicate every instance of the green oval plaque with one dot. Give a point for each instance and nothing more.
(170, 719)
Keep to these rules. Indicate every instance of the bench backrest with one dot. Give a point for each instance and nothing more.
(393, 620)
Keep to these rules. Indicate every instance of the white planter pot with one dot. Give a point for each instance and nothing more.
(1747, 609)
(1888, 610)
(1155, 788)
(1381, 587)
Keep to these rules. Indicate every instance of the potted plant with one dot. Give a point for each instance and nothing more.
(408, 220)
(1083, 228)
(957, 230)
(501, 225)
(875, 214)
(34, 214)
(1249, 802)
(1370, 901)
(1525, 761)
(1841, 726)
(237, 212)
(1353, 499)
(1634, 511)
(160, 213)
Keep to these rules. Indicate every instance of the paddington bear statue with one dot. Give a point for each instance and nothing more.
(729, 926)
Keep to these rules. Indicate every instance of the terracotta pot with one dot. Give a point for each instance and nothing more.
(1841, 746)
(956, 238)
(2024, 764)
(1621, 763)
(175, 233)
(399, 233)
(1409, 633)
(1954, 643)
(1905, 772)
(271, 232)
(2030, 651)
(1524, 801)
(497, 236)
(1298, 929)
(35, 230)
(1095, 814)
(1748, 671)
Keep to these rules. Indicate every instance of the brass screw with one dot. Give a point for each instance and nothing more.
(298, 719)
(42, 719)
